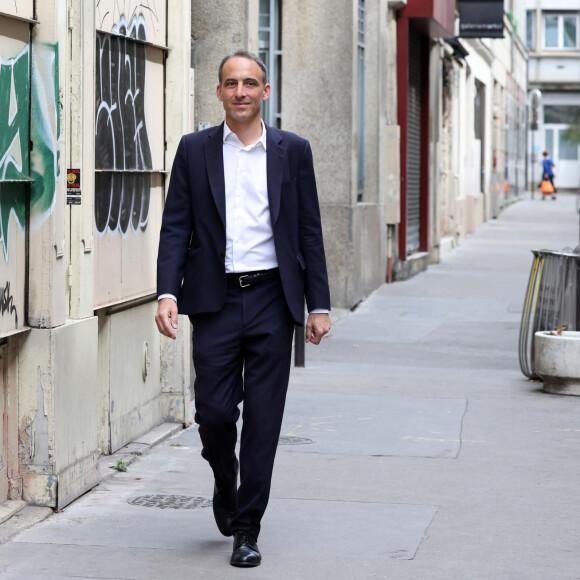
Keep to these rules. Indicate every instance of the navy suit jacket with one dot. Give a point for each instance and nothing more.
(190, 263)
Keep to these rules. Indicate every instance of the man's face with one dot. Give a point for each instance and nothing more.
(242, 90)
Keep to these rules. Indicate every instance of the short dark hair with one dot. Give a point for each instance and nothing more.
(249, 56)
(545, 154)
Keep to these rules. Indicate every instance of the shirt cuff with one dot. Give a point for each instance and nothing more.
(319, 311)
(166, 296)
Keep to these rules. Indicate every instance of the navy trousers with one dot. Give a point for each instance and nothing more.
(242, 354)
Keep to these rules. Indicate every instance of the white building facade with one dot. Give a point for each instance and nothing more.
(553, 39)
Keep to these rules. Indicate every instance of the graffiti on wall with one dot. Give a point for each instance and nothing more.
(122, 148)
(15, 158)
(14, 162)
(7, 303)
(45, 131)
(109, 13)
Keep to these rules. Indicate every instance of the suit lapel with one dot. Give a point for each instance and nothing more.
(275, 170)
(214, 162)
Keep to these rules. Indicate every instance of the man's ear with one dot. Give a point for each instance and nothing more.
(266, 94)
(219, 92)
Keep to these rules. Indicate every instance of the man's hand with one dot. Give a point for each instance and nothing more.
(166, 317)
(316, 327)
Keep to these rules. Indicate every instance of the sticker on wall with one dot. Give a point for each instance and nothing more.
(73, 186)
(73, 178)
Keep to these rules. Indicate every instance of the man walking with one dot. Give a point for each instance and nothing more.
(241, 247)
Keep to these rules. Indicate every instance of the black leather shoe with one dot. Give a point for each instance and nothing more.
(224, 506)
(246, 553)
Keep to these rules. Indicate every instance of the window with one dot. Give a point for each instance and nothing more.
(360, 117)
(530, 29)
(561, 31)
(550, 141)
(566, 150)
(270, 51)
(560, 114)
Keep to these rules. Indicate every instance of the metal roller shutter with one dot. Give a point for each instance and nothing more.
(414, 144)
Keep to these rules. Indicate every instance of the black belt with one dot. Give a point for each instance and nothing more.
(248, 279)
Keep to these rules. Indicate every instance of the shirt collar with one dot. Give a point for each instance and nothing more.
(229, 135)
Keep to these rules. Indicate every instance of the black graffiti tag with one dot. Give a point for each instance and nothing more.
(7, 303)
(122, 194)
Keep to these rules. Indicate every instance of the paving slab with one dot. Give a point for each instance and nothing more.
(355, 424)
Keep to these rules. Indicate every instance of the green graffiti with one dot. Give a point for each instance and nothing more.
(45, 129)
(28, 113)
(14, 129)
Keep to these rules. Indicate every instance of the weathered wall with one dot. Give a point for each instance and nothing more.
(58, 424)
(131, 161)
(14, 169)
(318, 88)
(28, 176)
(319, 92)
(75, 384)
(218, 28)
(129, 147)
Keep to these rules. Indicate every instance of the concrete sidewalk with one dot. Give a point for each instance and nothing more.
(413, 448)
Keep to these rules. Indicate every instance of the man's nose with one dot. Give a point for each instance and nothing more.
(240, 90)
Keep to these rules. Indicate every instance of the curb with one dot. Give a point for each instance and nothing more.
(135, 449)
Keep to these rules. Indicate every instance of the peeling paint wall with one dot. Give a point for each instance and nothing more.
(15, 191)
(14, 168)
(83, 86)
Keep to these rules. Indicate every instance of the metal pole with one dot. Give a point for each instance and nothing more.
(299, 346)
(533, 162)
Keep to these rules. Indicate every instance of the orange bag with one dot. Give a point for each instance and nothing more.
(546, 187)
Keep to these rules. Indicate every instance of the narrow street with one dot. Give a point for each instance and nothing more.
(413, 448)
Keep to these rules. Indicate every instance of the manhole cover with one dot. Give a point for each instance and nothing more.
(174, 502)
(288, 440)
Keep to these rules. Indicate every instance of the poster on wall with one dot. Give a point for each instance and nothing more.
(481, 18)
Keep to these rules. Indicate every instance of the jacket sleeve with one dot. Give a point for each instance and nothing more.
(316, 287)
(176, 227)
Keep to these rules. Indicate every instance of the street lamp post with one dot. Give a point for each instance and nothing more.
(535, 102)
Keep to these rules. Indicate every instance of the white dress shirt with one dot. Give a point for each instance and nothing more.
(249, 235)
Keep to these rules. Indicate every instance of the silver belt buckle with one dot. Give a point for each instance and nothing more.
(242, 285)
